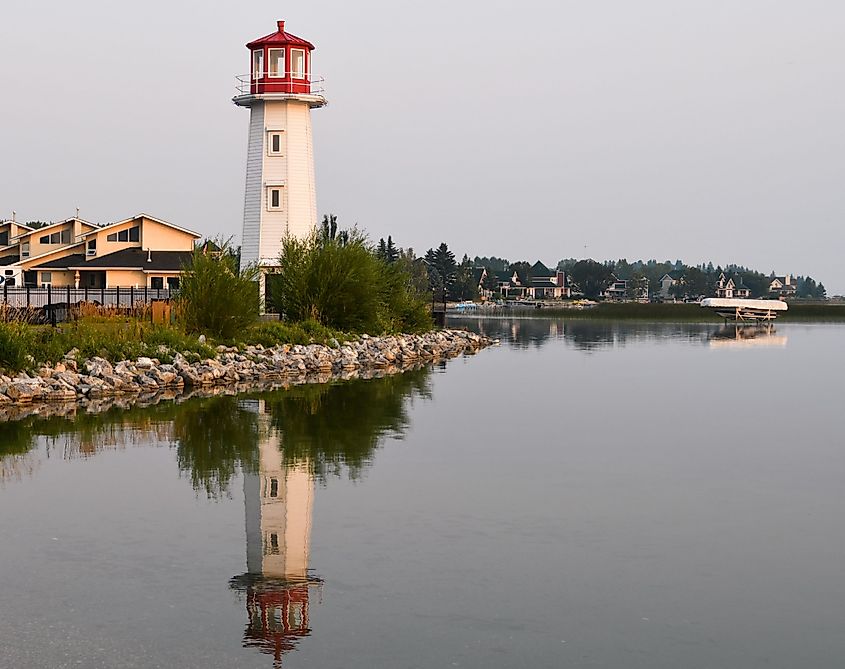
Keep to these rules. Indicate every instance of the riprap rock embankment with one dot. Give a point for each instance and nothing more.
(74, 380)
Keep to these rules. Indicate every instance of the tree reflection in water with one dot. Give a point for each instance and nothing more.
(584, 334)
(283, 442)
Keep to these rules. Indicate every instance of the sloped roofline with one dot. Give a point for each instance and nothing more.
(196, 235)
(61, 248)
(52, 225)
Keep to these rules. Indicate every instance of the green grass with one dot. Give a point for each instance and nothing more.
(276, 333)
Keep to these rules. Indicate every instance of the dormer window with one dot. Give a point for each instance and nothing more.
(258, 64)
(25, 250)
(92, 247)
(277, 63)
(297, 63)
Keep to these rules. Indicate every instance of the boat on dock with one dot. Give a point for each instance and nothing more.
(733, 309)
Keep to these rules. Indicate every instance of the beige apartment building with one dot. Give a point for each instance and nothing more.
(137, 252)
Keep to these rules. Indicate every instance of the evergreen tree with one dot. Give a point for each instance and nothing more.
(381, 250)
(391, 253)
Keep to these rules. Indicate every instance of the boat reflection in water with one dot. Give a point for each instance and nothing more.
(744, 336)
(279, 499)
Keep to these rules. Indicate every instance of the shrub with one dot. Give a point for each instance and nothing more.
(216, 297)
(340, 283)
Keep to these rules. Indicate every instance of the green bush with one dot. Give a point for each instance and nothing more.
(341, 284)
(217, 298)
(16, 345)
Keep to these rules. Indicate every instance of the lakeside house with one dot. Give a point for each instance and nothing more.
(668, 280)
(726, 287)
(139, 252)
(542, 283)
(783, 286)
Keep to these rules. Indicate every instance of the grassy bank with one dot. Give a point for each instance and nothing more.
(675, 313)
(26, 347)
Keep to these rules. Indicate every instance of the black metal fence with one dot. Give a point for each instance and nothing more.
(26, 296)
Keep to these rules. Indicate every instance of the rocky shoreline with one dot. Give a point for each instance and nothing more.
(98, 382)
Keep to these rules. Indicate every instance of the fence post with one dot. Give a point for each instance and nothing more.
(131, 296)
(68, 297)
(6, 292)
(86, 293)
(146, 295)
(50, 308)
(117, 296)
(27, 297)
(103, 296)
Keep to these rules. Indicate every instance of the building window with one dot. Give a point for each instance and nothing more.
(61, 237)
(92, 247)
(128, 235)
(276, 58)
(157, 282)
(25, 250)
(4, 238)
(274, 198)
(297, 63)
(46, 277)
(274, 487)
(173, 282)
(258, 64)
(274, 144)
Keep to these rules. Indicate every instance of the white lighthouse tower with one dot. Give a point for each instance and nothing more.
(280, 92)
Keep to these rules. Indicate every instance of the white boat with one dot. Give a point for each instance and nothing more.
(744, 310)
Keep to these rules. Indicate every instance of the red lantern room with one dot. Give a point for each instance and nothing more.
(281, 63)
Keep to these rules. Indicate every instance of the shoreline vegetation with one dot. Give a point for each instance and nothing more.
(667, 312)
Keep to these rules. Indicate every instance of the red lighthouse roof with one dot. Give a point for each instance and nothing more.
(280, 37)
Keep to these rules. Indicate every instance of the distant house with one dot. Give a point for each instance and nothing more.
(547, 284)
(668, 280)
(508, 285)
(617, 291)
(783, 286)
(728, 288)
(141, 251)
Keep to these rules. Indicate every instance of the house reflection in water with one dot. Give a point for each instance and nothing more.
(279, 500)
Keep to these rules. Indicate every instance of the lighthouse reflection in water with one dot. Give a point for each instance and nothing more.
(277, 587)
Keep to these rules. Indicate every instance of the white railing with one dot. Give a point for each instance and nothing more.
(246, 84)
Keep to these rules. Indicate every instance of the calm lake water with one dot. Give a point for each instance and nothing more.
(587, 494)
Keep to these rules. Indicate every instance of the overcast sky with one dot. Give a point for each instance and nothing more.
(708, 130)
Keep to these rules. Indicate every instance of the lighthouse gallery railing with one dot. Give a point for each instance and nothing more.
(244, 83)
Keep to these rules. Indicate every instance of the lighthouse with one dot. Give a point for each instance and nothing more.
(279, 501)
(280, 92)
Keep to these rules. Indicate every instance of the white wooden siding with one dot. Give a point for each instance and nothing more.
(253, 195)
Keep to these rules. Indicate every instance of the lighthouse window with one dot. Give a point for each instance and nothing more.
(258, 64)
(275, 147)
(297, 64)
(277, 62)
(274, 198)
